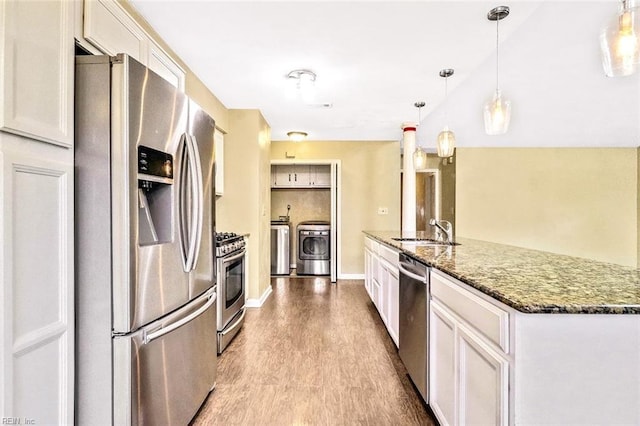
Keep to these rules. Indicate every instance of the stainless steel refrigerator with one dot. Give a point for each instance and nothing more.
(145, 247)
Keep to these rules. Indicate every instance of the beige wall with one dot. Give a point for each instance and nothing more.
(577, 201)
(245, 206)
(370, 178)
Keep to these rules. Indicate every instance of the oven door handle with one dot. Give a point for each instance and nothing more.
(234, 257)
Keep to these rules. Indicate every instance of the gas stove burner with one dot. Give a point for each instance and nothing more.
(224, 236)
(228, 242)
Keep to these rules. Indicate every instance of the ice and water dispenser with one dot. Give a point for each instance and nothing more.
(155, 180)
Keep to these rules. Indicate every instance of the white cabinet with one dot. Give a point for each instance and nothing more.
(442, 365)
(36, 74)
(162, 64)
(483, 397)
(382, 283)
(36, 196)
(36, 263)
(300, 176)
(320, 176)
(218, 140)
(469, 364)
(108, 27)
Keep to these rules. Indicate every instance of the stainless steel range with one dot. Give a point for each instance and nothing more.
(230, 254)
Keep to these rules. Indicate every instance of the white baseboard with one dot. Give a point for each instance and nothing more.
(351, 276)
(256, 303)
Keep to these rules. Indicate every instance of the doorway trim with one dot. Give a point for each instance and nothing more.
(438, 194)
(336, 211)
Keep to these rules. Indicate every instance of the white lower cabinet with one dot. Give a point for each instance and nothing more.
(442, 365)
(383, 284)
(36, 296)
(469, 374)
(483, 396)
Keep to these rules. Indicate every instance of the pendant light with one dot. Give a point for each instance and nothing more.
(446, 138)
(620, 42)
(497, 111)
(419, 155)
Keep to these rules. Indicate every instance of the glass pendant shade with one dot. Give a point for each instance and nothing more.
(419, 159)
(620, 42)
(446, 143)
(497, 114)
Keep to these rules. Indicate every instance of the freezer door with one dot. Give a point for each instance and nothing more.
(201, 128)
(148, 116)
(164, 372)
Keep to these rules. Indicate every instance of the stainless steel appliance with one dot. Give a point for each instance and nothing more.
(231, 255)
(314, 248)
(145, 273)
(280, 248)
(414, 322)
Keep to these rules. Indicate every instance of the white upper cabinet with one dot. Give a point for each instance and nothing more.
(36, 75)
(109, 28)
(162, 64)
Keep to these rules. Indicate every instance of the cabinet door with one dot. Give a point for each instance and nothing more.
(218, 138)
(442, 364)
(320, 176)
(162, 64)
(36, 75)
(282, 176)
(393, 318)
(483, 382)
(383, 296)
(300, 176)
(37, 292)
(109, 28)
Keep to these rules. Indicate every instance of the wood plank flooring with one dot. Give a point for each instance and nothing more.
(314, 354)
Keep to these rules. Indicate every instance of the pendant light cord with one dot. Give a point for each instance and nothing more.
(497, 53)
(446, 106)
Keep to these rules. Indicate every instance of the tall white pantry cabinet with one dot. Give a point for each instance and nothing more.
(36, 258)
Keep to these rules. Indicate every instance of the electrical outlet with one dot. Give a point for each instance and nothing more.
(383, 210)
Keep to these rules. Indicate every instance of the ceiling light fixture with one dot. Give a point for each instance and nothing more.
(304, 81)
(297, 136)
(620, 42)
(497, 111)
(446, 138)
(419, 155)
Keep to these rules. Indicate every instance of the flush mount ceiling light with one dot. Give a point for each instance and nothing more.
(297, 136)
(497, 111)
(446, 138)
(419, 155)
(304, 81)
(620, 42)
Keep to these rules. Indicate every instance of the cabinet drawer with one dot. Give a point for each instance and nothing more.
(388, 254)
(371, 244)
(487, 318)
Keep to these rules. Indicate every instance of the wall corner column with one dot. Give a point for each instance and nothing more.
(408, 177)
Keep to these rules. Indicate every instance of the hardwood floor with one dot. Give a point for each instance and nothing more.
(314, 354)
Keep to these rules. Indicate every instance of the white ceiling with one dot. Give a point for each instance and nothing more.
(373, 59)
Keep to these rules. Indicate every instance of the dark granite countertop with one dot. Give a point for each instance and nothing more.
(531, 281)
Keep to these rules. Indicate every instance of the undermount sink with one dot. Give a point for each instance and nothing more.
(424, 241)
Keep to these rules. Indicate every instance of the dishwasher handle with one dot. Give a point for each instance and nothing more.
(403, 269)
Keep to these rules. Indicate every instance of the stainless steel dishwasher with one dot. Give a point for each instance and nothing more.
(414, 322)
(280, 248)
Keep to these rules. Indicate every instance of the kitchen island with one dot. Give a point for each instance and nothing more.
(520, 336)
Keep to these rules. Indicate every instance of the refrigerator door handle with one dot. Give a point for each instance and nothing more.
(150, 337)
(198, 202)
(190, 203)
